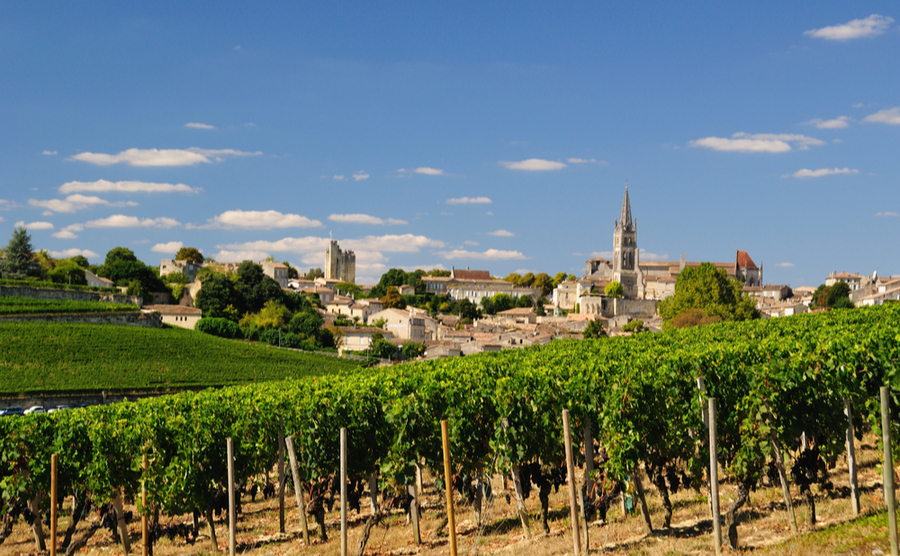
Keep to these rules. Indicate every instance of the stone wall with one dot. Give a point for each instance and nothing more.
(48, 401)
(124, 318)
(634, 307)
(52, 294)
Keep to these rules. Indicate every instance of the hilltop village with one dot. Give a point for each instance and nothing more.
(442, 313)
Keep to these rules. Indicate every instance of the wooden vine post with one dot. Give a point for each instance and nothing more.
(851, 459)
(714, 478)
(448, 485)
(298, 490)
(53, 498)
(281, 477)
(570, 469)
(343, 491)
(888, 467)
(145, 519)
(232, 522)
(119, 505)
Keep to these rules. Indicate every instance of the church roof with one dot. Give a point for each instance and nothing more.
(467, 274)
(744, 260)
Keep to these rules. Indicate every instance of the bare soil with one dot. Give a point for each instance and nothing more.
(763, 525)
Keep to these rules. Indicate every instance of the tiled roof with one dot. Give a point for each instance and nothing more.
(471, 274)
(744, 260)
(174, 310)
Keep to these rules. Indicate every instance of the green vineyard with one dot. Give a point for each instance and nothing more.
(775, 382)
(41, 357)
(30, 306)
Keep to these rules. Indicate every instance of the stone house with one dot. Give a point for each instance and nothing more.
(97, 281)
(177, 315)
(403, 324)
(359, 338)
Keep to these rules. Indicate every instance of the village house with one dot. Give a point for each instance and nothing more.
(177, 315)
(474, 285)
(359, 339)
(95, 281)
(401, 323)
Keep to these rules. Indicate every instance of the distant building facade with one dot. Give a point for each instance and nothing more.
(339, 265)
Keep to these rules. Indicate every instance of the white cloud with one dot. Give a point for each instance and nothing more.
(313, 248)
(195, 125)
(838, 123)
(858, 28)
(471, 243)
(50, 153)
(104, 186)
(602, 254)
(423, 170)
(489, 255)
(533, 165)
(757, 143)
(339, 177)
(501, 233)
(469, 201)
(160, 157)
(585, 161)
(806, 173)
(784, 265)
(359, 176)
(364, 219)
(227, 256)
(888, 213)
(69, 231)
(34, 225)
(6, 205)
(68, 253)
(74, 203)
(170, 247)
(648, 256)
(858, 105)
(259, 220)
(406, 243)
(122, 221)
(887, 116)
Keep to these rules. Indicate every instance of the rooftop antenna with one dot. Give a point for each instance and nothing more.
(329, 234)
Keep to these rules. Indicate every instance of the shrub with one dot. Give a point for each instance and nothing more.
(223, 328)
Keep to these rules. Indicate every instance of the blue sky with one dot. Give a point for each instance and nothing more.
(495, 135)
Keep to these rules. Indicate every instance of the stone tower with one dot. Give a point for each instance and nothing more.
(626, 268)
(339, 265)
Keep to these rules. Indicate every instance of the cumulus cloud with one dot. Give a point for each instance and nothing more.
(69, 231)
(838, 123)
(757, 143)
(806, 173)
(104, 186)
(422, 170)
(887, 116)
(195, 125)
(300, 245)
(888, 213)
(406, 243)
(227, 255)
(170, 247)
(49, 153)
(68, 253)
(858, 28)
(489, 255)
(359, 176)
(533, 165)
(501, 233)
(585, 161)
(469, 201)
(313, 248)
(76, 202)
(123, 221)
(160, 157)
(34, 225)
(784, 265)
(648, 256)
(259, 220)
(339, 177)
(364, 219)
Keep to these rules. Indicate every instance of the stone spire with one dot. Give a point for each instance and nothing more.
(625, 219)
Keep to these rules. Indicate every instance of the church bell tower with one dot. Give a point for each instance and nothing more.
(625, 252)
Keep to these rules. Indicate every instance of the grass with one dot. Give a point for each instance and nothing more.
(47, 357)
(30, 306)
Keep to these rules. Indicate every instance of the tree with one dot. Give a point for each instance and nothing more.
(18, 257)
(313, 274)
(216, 295)
(614, 290)
(593, 330)
(503, 302)
(382, 348)
(307, 324)
(119, 254)
(412, 350)
(67, 271)
(467, 310)
(634, 326)
(487, 306)
(558, 278)
(190, 255)
(394, 277)
(392, 299)
(292, 272)
(539, 308)
(255, 288)
(544, 282)
(524, 301)
(710, 289)
(693, 317)
(346, 288)
(80, 260)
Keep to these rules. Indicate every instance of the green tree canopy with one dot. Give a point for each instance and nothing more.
(189, 254)
(313, 274)
(710, 289)
(216, 295)
(120, 254)
(19, 261)
(593, 330)
(614, 290)
(392, 299)
(67, 271)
